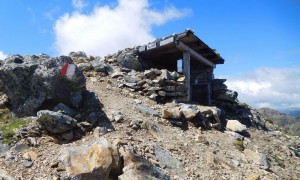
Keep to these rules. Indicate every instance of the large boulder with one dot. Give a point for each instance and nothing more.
(96, 161)
(36, 80)
(128, 60)
(236, 126)
(55, 122)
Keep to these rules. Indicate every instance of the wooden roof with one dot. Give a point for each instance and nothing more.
(171, 48)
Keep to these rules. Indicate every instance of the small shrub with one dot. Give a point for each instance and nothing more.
(269, 121)
(240, 145)
(247, 106)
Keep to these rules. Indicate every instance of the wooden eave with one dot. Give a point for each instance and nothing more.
(174, 45)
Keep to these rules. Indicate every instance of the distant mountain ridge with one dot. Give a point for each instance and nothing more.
(290, 123)
(295, 112)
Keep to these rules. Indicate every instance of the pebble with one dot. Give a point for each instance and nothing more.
(54, 165)
(32, 141)
(27, 163)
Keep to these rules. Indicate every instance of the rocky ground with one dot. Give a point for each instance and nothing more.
(138, 138)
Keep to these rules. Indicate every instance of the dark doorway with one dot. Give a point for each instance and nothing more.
(200, 94)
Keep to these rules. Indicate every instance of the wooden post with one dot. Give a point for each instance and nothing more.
(187, 73)
(209, 93)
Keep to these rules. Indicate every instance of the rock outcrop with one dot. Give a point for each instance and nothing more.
(132, 133)
(32, 81)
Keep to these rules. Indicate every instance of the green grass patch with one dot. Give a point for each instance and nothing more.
(8, 124)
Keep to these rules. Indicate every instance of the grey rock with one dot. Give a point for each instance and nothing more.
(136, 168)
(117, 116)
(235, 163)
(150, 74)
(141, 82)
(84, 66)
(228, 95)
(62, 108)
(153, 88)
(68, 135)
(4, 175)
(117, 74)
(174, 75)
(235, 135)
(99, 66)
(146, 110)
(131, 85)
(19, 147)
(3, 149)
(84, 126)
(129, 61)
(55, 122)
(165, 74)
(27, 163)
(78, 54)
(162, 93)
(32, 141)
(168, 162)
(14, 59)
(258, 158)
(211, 111)
(92, 118)
(236, 126)
(131, 79)
(169, 88)
(33, 81)
(137, 101)
(189, 111)
(99, 131)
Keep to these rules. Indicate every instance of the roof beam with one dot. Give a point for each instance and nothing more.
(180, 45)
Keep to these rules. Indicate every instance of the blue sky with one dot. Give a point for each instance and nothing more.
(259, 39)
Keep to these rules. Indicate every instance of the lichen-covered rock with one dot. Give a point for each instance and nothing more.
(137, 168)
(171, 113)
(90, 162)
(32, 81)
(55, 122)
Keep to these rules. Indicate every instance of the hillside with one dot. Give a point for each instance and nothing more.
(103, 121)
(290, 123)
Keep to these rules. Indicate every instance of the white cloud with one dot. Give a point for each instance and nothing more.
(79, 4)
(2, 55)
(109, 29)
(277, 88)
